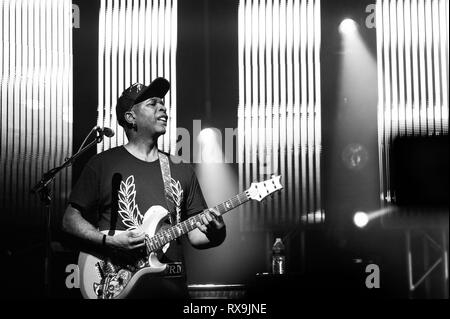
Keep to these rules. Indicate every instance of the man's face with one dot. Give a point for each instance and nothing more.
(151, 116)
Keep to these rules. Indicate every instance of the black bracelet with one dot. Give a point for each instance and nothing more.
(104, 240)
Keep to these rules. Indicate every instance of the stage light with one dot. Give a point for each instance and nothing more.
(348, 26)
(207, 136)
(210, 146)
(361, 219)
(210, 168)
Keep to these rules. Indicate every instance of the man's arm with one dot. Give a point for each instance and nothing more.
(211, 234)
(75, 224)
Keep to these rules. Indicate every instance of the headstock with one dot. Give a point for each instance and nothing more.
(259, 191)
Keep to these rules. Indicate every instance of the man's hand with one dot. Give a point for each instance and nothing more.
(128, 240)
(126, 247)
(212, 221)
(128, 244)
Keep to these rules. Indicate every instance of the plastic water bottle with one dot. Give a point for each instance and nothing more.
(278, 257)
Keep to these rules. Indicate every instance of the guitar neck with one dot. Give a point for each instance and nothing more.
(163, 237)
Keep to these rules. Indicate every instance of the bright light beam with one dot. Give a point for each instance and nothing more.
(362, 219)
(348, 27)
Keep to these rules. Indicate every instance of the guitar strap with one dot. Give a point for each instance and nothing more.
(167, 178)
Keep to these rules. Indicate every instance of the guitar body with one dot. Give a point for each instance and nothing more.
(101, 279)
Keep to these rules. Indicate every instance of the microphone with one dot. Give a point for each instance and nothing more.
(106, 131)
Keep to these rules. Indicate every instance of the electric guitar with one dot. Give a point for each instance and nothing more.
(102, 278)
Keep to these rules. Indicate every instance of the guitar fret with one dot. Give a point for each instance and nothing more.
(165, 237)
(232, 203)
(175, 231)
(147, 244)
(160, 243)
(154, 244)
(185, 230)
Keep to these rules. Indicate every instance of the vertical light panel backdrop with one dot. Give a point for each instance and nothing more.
(412, 41)
(138, 43)
(279, 115)
(36, 102)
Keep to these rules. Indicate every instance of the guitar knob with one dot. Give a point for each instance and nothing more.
(140, 264)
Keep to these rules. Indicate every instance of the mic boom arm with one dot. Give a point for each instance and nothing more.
(50, 175)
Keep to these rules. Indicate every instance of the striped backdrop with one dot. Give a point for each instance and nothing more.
(36, 103)
(279, 115)
(412, 45)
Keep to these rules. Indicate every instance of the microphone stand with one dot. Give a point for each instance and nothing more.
(42, 188)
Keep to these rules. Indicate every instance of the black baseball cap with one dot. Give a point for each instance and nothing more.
(138, 93)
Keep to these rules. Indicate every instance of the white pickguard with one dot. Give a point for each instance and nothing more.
(152, 221)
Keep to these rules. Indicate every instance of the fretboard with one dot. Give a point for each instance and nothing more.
(163, 237)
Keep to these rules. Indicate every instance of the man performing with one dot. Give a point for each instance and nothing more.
(120, 189)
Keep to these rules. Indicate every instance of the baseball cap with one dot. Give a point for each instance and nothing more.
(138, 93)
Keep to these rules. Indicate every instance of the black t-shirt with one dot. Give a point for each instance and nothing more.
(116, 190)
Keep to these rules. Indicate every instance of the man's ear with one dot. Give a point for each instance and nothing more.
(130, 117)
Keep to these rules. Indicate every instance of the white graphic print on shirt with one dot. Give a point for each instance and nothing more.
(129, 210)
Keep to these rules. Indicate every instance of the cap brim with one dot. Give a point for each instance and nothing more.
(158, 88)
